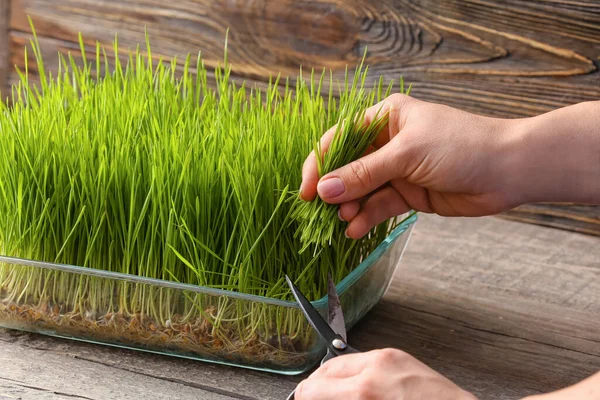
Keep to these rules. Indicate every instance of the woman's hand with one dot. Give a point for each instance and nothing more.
(379, 374)
(436, 159)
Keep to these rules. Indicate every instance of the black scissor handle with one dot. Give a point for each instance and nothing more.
(329, 356)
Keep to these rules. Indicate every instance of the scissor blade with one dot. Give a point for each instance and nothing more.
(313, 316)
(335, 315)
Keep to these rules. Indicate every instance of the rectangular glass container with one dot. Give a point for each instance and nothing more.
(184, 320)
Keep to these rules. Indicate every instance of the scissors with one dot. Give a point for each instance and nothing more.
(333, 332)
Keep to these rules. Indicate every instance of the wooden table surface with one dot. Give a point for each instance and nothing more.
(503, 308)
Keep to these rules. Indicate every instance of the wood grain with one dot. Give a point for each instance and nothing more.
(4, 46)
(34, 370)
(510, 303)
(574, 217)
(502, 308)
(52, 48)
(509, 58)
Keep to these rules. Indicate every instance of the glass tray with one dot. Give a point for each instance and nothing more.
(206, 324)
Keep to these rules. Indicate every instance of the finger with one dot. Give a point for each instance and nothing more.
(417, 197)
(370, 149)
(349, 210)
(310, 173)
(395, 105)
(342, 367)
(361, 176)
(381, 206)
(324, 388)
(460, 204)
(445, 204)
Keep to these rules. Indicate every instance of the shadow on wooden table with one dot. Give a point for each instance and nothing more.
(493, 352)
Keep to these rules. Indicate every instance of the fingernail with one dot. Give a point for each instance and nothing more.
(331, 187)
(346, 234)
(340, 215)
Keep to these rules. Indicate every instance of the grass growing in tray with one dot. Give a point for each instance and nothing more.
(152, 170)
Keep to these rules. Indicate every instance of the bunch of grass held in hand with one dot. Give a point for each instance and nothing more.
(148, 169)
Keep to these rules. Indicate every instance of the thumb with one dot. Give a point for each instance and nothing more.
(360, 177)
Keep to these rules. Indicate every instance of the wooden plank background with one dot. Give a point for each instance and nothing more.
(511, 58)
(4, 45)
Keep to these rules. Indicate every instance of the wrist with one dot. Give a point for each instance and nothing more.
(555, 157)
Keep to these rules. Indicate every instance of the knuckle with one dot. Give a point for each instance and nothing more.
(387, 356)
(399, 107)
(398, 101)
(397, 98)
(360, 173)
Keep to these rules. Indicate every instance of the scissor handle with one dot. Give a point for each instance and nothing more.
(329, 356)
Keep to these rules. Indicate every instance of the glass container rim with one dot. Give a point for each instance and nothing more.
(341, 287)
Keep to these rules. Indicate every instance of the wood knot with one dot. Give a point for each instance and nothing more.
(290, 33)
